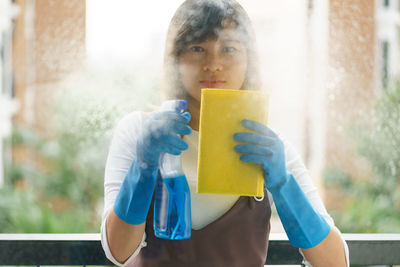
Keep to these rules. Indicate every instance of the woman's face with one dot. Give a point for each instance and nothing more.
(220, 63)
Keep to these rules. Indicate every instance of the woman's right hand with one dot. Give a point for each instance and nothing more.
(159, 135)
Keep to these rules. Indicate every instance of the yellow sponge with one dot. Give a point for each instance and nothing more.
(220, 170)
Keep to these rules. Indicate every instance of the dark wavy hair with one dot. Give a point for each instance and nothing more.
(196, 21)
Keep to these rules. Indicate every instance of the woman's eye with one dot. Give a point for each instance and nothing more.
(196, 49)
(229, 49)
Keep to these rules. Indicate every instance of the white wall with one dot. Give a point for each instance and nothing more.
(8, 106)
(387, 30)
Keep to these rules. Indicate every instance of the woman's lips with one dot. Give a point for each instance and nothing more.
(212, 83)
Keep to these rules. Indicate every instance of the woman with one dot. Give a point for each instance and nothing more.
(210, 44)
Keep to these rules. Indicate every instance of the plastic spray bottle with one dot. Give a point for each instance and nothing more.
(172, 212)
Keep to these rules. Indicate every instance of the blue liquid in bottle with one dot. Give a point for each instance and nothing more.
(172, 211)
(172, 214)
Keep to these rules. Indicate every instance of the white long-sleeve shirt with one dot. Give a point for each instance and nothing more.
(205, 208)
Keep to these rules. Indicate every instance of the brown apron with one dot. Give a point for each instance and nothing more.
(239, 238)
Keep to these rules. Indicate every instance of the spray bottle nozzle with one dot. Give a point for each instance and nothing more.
(178, 105)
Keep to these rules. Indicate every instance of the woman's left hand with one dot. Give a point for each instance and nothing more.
(304, 226)
(265, 148)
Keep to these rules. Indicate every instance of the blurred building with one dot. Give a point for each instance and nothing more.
(48, 44)
(324, 64)
(40, 46)
(343, 87)
(363, 61)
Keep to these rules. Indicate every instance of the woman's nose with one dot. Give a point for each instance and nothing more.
(212, 63)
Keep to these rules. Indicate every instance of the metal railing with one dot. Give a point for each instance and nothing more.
(85, 249)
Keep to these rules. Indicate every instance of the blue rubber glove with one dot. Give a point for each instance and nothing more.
(304, 226)
(159, 135)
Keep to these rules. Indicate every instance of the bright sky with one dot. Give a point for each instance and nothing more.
(126, 30)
